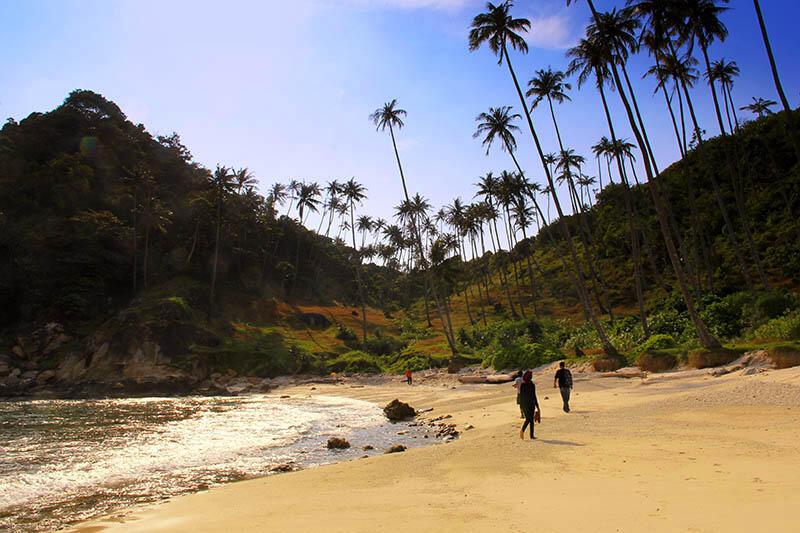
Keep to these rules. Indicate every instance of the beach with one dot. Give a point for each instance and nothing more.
(682, 451)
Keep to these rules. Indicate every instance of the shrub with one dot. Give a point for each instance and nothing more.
(343, 333)
(782, 328)
(656, 342)
(355, 361)
(520, 356)
(385, 345)
(773, 305)
(723, 319)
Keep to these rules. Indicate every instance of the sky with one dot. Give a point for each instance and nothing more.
(286, 88)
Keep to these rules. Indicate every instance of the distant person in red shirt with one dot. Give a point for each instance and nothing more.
(408, 376)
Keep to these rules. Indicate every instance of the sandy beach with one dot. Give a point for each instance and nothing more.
(685, 451)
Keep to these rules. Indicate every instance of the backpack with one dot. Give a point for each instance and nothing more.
(568, 378)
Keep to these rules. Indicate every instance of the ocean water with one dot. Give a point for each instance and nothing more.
(63, 461)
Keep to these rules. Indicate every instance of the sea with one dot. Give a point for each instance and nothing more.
(67, 461)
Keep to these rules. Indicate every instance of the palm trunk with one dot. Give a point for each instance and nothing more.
(706, 339)
(790, 121)
(718, 194)
(632, 228)
(583, 230)
(735, 180)
(608, 348)
(216, 257)
(146, 252)
(358, 278)
(194, 241)
(448, 336)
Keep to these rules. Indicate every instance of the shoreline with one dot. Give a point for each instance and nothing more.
(696, 453)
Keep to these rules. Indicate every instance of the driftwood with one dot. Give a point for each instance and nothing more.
(626, 374)
(472, 379)
(493, 379)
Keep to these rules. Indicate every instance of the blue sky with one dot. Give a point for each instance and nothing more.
(286, 88)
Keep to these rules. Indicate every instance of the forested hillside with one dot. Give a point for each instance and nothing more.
(121, 239)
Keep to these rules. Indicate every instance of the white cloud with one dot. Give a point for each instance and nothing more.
(553, 32)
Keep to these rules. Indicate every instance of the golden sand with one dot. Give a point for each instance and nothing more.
(692, 453)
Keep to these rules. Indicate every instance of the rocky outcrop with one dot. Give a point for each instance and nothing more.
(397, 410)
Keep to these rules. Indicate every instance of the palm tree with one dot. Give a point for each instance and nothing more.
(354, 193)
(223, 184)
(497, 124)
(389, 115)
(364, 225)
(550, 85)
(702, 24)
(610, 44)
(790, 121)
(294, 189)
(724, 72)
(760, 107)
(498, 29)
(244, 178)
(277, 194)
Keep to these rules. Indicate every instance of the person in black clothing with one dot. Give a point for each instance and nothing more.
(528, 402)
(563, 380)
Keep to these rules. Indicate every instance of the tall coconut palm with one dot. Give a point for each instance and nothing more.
(705, 337)
(499, 29)
(794, 131)
(551, 86)
(724, 72)
(223, 184)
(497, 123)
(701, 25)
(354, 193)
(390, 116)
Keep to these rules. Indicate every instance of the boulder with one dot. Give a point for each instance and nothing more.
(397, 410)
(337, 443)
(17, 350)
(315, 320)
(397, 448)
(4, 369)
(368, 447)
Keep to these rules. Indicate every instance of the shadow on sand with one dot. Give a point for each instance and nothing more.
(560, 442)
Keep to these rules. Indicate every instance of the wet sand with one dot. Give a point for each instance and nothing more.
(673, 452)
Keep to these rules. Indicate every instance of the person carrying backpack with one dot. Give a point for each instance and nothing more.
(563, 380)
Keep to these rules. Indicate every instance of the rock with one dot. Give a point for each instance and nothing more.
(368, 447)
(395, 449)
(397, 410)
(45, 376)
(232, 373)
(469, 426)
(337, 443)
(283, 397)
(16, 372)
(284, 467)
(4, 370)
(17, 350)
(315, 320)
(215, 375)
(579, 353)
(29, 375)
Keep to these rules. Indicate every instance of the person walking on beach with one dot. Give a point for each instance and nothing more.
(408, 376)
(528, 403)
(517, 383)
(563, 380)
